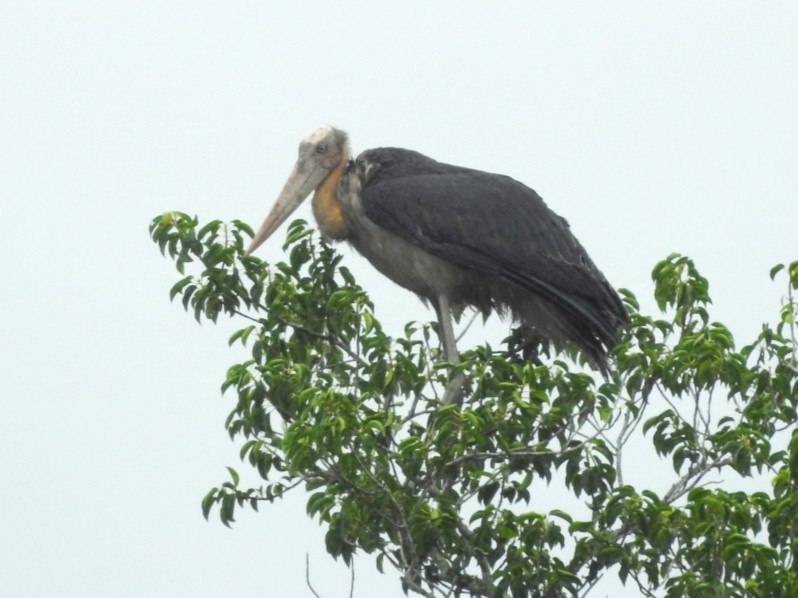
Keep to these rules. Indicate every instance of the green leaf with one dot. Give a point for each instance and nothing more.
(210, 228)
(775, 270)
(562, 515)
(233, 475)
(227, 511)
(179, 286)
(208, 501)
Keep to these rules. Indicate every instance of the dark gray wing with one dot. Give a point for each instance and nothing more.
(489, 223)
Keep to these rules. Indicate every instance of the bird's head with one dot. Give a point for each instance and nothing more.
(320, 153)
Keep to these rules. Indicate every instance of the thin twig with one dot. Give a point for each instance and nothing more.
(691, 479)
(590, 585)
(627, 419)
(467, 326)
(412, 585)
(640, 586)
(307, 574)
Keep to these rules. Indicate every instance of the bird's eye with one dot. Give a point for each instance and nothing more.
(321, 148)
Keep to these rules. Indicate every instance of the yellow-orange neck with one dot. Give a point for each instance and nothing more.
(326, 207)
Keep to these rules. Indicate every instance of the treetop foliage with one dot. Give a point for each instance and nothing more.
(450, 495)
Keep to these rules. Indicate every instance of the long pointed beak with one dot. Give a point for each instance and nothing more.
(304, 178)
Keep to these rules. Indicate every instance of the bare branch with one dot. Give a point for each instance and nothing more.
(691, 479)
(627, 420)
(307, 575)
(467, 326)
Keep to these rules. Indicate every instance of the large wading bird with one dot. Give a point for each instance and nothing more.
(456, 237)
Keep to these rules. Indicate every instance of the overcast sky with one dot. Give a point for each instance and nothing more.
(652, 127)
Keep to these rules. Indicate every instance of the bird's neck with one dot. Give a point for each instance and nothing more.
(326, 207)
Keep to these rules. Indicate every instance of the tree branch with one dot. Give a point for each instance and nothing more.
(307, 575)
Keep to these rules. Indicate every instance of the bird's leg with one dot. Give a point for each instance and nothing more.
(447, 330)
(453, 392)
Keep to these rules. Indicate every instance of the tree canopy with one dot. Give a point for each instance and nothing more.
(449, 494)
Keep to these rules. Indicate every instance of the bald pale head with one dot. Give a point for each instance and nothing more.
(325, 134)
(319, 153)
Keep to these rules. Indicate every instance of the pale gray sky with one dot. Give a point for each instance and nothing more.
(653, 127)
